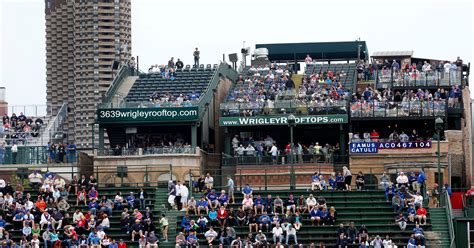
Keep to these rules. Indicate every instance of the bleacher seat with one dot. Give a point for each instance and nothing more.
(186, 82)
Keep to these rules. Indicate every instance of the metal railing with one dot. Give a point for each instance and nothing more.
(253, 159)
(123, 73)
(398, 109)
(28, 110)
(283, 107)
(446, 203)
(432, 78)
(150, 104)
(54, 130)
(148, 151)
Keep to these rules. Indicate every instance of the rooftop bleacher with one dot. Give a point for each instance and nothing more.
(185, 83)
(345, 72)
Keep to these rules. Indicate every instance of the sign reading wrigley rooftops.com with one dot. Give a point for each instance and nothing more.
(147, 114)
(282, 120)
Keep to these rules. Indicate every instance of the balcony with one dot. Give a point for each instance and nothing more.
(405, 109)
(417, 79)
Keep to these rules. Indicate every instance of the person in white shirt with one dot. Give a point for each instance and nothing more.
(59, 183)
(184, 196)
(250, 150)
(403, 137)
(45, 220)
(308, 59)
(35, 179)
(310, 202)
(35, 242)
(277, 232)
(418, 200)
(210, 235)
(402, 179)
(291, 232)
(235, 142)
(240, 150)
(274, 153)
(209, 181)
(105, 224)
(447, 67)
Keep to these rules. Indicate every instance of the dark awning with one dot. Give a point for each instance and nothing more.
(346, 50)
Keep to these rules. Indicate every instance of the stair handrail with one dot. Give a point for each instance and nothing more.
(449, 212)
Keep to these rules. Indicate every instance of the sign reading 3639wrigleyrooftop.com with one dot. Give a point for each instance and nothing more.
(147, 114)
(282, 120)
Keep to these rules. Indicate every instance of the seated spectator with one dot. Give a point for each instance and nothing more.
(397, 204)
(401, 221)
(209, 181)
(247, 203)
(412, 242)
(264, 222)
(213, 221)
(315, 182)
(212, 199)
(291, 203)
(35, 179)
(261, 239)
(247, 191)
(93, 194)
(81, 196)
(258, 204)
(278, 205)
(291, 233)
(252, 222)
(137, 229)
(130, 200)
(360, 181)
(421, 215)
(402, 180)
(411, 214)
(301, 204)
(192, 206)
(223, 198)
(210, 235)
(203, 204)
(222, 215)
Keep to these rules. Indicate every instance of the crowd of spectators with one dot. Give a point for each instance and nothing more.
(407, 74)
(45, 216)
(267, 147)
(21, 128)
(259, 90)
(406, 197)
(157, 143)
(399, 135)
(169, 100)
(276, 221)
(62, 153)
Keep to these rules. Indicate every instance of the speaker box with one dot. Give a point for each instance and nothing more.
(115, 65)
(233, 57)
(122, 171)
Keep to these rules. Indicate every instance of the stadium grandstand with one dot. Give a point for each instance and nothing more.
(311, 145)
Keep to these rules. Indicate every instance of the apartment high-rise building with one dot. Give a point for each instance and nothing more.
(83, 39)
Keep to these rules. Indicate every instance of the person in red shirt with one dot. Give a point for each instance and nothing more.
(374, 135)
(41, 204)
(122, 244)
(222, 215)
(421, 215)
(470, 191)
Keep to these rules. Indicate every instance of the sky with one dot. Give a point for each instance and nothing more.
(164, 29)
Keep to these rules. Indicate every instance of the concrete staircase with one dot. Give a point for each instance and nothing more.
(439, 235)
(161, 203)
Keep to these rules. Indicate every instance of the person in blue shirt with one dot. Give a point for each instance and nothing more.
(389, 192)
(324, 215)
(411, 214)
(203, 204)
(71, 153)
(258, 204)
(340, 181)
(247, 191)
(332, 182)
(420, 182)
(411, 242)
(264, 221)
(418, 231)
(18, 220)
(213, 217)
(93, 206)
(185, 221)
(223, 198)
(315, 181)
(212, 199)
(131, 200)
(315, 215)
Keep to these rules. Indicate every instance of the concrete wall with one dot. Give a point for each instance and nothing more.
(221, 94)
(153, 165)
(466, 127)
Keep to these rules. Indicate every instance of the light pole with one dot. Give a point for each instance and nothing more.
(439, 126)
(291, 124)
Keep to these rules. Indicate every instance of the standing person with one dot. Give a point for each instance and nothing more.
(209, 182)
(274, 153)
(230, 188)
(196, 55)
(177, 199)
(346, 173)
(71, 148)
(171, 193)
(14, 153)
(164, 227)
